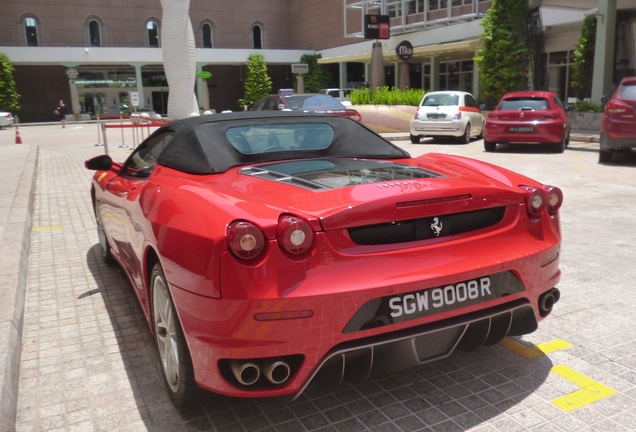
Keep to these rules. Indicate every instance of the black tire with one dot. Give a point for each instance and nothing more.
(490, 146)
(605, 156)
(560, 146)
(104, 246)
(465, 138)
(415, 139)
(174, 356)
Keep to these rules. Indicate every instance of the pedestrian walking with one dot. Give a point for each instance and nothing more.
(61, 112)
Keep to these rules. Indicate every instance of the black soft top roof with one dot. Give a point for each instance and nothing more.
(200, 144)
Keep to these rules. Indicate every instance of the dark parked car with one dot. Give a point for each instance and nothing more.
(618, 126)
(306, 102)
(528, 117)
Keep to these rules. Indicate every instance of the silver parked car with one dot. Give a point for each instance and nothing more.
(447, 114)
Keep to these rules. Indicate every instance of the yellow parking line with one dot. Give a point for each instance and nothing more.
(534, 351)
(44, 228)
(591, 391)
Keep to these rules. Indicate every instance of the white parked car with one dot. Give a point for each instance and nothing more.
(447, 114)
(341, 94)
(6, 119)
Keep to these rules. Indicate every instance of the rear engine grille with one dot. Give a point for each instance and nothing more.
(426, 228)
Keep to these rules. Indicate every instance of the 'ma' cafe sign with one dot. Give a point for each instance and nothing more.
(377, 27)
(404, 50)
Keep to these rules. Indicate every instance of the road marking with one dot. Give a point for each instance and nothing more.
(534, 351)
(591, 390)
(44, 228)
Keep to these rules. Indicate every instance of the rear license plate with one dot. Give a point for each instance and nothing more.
(436, 116)
(416, 304)
(521, 129)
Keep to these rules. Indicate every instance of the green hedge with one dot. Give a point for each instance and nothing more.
(386, 96)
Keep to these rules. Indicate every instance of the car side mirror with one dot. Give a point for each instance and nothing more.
(605, 99)
(482, 107)
(99, 163)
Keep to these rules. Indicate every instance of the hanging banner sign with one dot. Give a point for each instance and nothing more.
(377, 27)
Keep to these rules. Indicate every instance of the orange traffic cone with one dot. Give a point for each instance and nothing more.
(18, 139)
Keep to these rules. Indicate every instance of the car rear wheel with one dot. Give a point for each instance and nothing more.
(605, 156)
(490, 146)
(560, 146)
(415, 139)
(104, 246)
(176, 363)
(465, 138)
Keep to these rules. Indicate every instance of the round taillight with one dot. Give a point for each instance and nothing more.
(245, 240)
(555, 199)
(536, 200)
(294, 234)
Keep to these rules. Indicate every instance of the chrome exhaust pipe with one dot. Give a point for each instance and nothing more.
(278, 372)
(245, 373)
(547, 301)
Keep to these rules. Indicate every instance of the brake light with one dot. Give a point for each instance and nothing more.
(244, 240)
(617, 110)
(554, 200)
(417, 115)
(536, 201)
(294, 235)
(458, 115)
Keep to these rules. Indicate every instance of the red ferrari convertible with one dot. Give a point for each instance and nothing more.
(272, 250)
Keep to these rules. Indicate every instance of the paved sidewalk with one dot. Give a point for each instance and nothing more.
(87, 360)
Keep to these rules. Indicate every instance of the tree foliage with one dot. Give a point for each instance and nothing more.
(583, 57)
(258, 83)
(319, 76)
(9, 97)
(503, 58)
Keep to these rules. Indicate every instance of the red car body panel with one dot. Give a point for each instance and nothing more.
(235, 309)
(618, 124)
(546, 124)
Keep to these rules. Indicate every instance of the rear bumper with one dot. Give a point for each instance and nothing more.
(614, 143)
(544, 133)
(355, 361)
(453, 128)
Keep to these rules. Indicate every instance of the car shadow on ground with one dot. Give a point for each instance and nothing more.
(451, 141)
(622, 159)
(527, 148)
(458, 393)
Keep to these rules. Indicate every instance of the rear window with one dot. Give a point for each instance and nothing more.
(313, 102)
(442, 99)
(524, 104)
(628, 91)
(271, 138)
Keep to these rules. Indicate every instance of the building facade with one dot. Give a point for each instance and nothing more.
(93, 53)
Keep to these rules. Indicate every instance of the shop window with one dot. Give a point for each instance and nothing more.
(31, 31)
(152, 31)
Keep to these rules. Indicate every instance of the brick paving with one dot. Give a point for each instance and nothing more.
(88, 362)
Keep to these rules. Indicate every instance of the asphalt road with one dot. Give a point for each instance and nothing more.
(88, 361)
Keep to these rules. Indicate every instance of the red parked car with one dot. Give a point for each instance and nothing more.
(528, 117)
(272, 250)
(618, 125)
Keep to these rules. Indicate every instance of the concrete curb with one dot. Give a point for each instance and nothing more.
(14, 251)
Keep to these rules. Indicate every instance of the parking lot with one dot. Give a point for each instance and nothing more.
(88, 362)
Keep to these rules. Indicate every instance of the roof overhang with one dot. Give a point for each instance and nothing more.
(443, 51)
